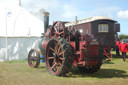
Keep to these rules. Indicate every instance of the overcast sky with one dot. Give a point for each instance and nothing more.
(66, 10)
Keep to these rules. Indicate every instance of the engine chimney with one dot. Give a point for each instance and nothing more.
(46, 21)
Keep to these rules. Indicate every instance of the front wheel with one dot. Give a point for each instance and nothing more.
(33, 58)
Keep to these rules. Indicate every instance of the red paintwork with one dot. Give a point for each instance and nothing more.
(87, 54)
(90, 55)
(72, 43)
(93, 50)
(107, 53)
(44, 44)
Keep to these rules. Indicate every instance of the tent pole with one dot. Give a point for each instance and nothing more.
(6, 34)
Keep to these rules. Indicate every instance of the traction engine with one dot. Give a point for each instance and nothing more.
(64, 47)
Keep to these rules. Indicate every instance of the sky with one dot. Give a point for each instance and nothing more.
(66, 10)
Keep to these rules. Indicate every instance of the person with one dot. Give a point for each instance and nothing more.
(123, 47)
(117, 47)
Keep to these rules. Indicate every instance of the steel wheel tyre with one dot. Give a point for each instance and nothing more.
(58, 57)
(33, 58)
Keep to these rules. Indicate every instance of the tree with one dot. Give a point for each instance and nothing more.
(123, 36)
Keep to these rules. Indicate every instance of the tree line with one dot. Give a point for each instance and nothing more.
(123, 36)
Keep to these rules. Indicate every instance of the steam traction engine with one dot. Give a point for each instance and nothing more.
(67, 44)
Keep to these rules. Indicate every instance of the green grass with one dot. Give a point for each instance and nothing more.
(19, 73)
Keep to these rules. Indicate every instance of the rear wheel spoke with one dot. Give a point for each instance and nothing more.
(51, 58)
(58, 49)
(54, 65)
(61, 58)
(53, 50)
(60, 64)
(60, 54)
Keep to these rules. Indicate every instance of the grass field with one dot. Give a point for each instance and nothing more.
(19, 73)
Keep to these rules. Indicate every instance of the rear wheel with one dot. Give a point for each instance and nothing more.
(58, 57)
(33, 58)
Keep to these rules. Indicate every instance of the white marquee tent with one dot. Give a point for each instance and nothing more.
(20, 31)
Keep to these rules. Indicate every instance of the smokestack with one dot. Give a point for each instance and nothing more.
(20, 2)
(46, 21)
